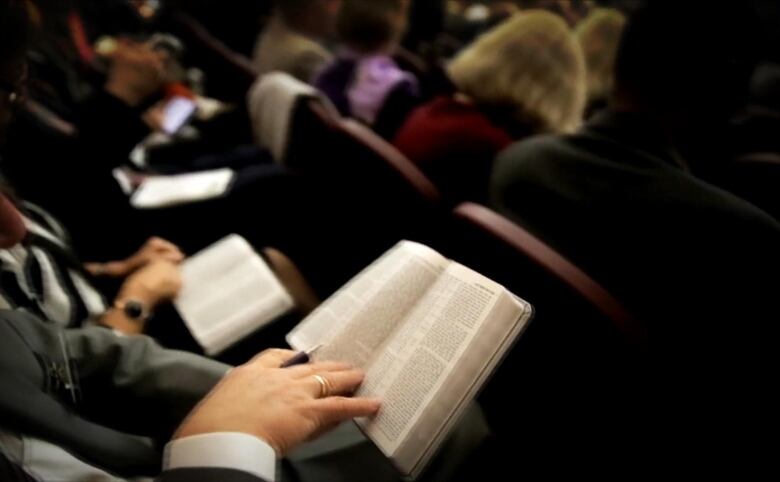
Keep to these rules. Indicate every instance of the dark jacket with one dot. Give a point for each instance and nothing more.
(697, 264)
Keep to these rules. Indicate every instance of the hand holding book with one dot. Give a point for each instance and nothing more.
(428, 332)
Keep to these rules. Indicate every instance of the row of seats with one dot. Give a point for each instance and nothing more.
(582, 338)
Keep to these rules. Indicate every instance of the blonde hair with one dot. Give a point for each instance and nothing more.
(530, 64)
(599, 36)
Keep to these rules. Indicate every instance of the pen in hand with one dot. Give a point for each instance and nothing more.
(301, 357)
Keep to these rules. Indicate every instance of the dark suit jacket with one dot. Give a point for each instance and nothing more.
(131, 395)
(697, 264)
(615, 200)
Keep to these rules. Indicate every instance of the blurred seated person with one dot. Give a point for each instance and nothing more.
(294, 39)
(599, 36)
(51, 149)
(104, 98)
(93, 405)
(364, 82)
(110, 419)
(525, 77)
(43, 275)
(622, 199)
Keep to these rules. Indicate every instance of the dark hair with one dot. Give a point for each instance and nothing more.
(293, 8)
(14, 30)
(368, 25)
(691, 56)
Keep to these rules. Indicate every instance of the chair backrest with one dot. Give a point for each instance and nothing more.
(325, 143)
(373, 195)
(240, 64)
(274, 101)
(527, 245)
(386, 155)
(229, 73)
(580, 363)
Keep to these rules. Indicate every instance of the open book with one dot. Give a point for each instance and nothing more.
(428, 332)
(162, 191)
(228, 292)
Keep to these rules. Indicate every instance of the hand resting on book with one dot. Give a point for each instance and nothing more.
(282, 406)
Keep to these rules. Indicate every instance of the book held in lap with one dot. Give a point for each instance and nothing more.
(428, 332)
(229, 292)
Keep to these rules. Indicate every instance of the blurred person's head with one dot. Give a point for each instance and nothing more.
(599, 36)
(530, 67)
(689, 67)
(311, 17)
(426, 21)
(369, 26)
(681, 60)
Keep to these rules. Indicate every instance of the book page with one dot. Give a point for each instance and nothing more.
(417, 364)
(354, 323)
(229, 292)
(161, 191)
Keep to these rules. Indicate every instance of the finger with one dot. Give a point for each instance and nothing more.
(160, 243)
(174, 257)
(168, 251)
(116, 269)
(302, 371)
(337, 383)
(272, 358)
(95, 269)
(171, 251)
(335, 410)
(113, 269)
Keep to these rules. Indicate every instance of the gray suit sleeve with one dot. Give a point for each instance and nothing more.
(134, 381)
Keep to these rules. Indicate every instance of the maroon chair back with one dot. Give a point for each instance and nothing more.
(526, 244)
(369, 195)
(581, 365)
(343, 147)
(236, 72)
(386, 155)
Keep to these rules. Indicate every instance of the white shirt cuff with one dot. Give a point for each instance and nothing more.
(235, 451)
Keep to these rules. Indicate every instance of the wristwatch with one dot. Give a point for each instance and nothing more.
(134, 309)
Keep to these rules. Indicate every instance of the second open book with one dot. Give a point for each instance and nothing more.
(428, 332)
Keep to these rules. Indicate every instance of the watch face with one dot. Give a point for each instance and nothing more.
(134, 309)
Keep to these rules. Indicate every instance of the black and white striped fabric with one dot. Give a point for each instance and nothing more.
(43, 276)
